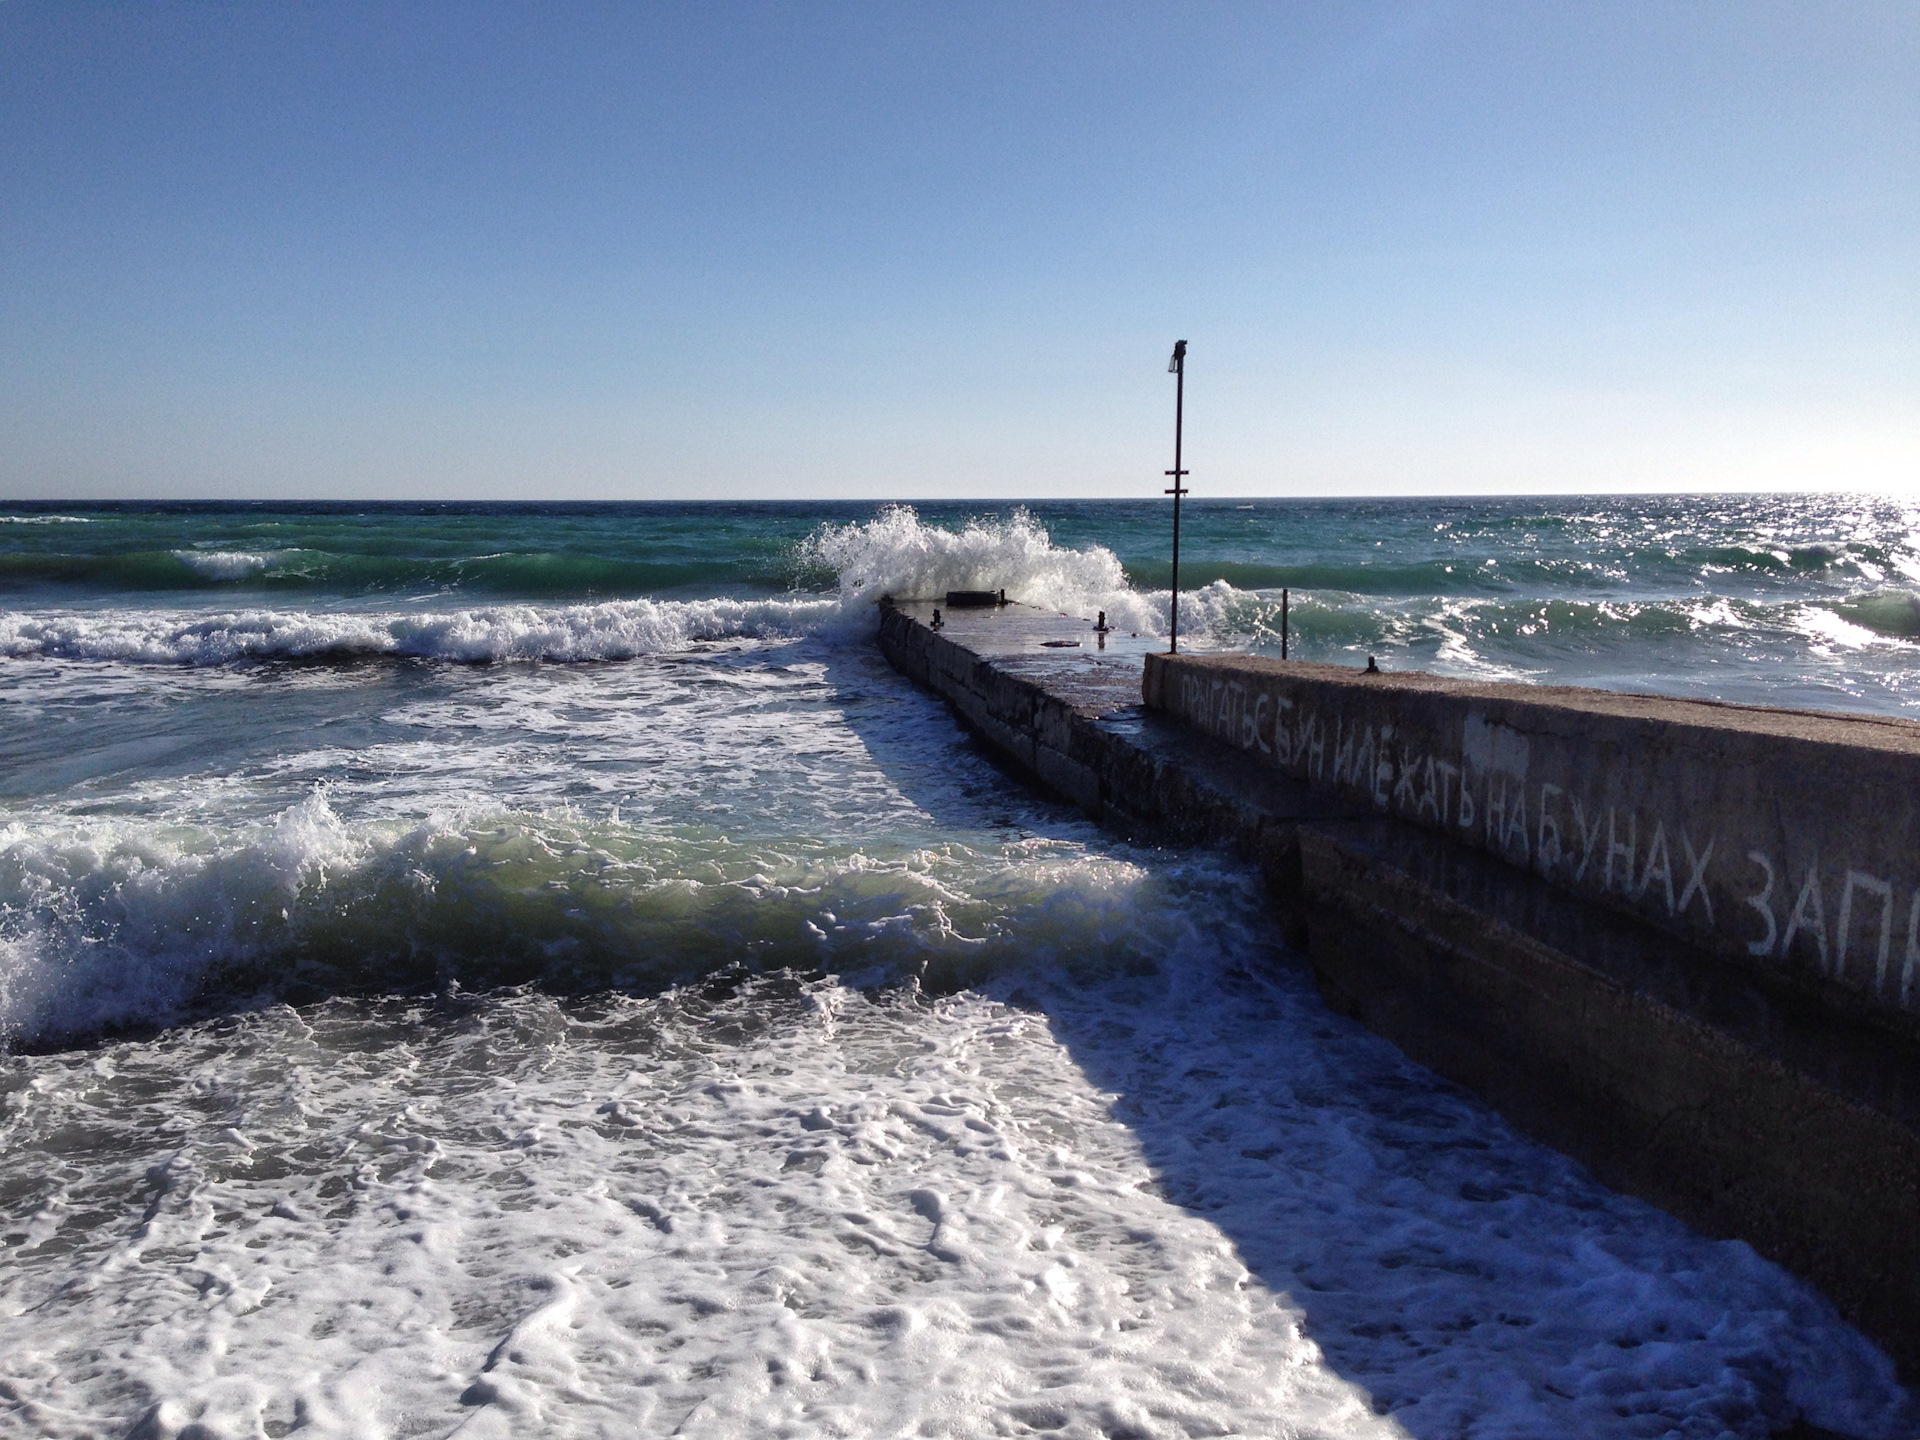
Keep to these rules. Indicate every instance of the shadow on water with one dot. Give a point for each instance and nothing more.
(1469, 1280)
(890, 716)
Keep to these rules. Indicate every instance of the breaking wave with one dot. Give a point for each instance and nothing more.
(840, 571)
(899, 555)
(1888, 610)
(619, 630)
(224, 564)
(895, 553)
(305, 569)
(106, 924)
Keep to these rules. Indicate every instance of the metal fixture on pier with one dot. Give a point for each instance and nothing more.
(1176, 367)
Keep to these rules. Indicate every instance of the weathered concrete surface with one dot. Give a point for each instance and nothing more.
(1721, 1088)
(1781, 838)
(1032, 702)
(1072, 719)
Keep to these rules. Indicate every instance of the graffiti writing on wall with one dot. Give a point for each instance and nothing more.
(1850, 924)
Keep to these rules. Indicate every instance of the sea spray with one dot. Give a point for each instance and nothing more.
(225, 564)
(898, 554)
(895, 553)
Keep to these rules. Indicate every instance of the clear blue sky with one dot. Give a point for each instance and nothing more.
(811, 249)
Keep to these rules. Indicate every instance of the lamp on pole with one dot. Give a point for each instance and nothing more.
(1177, 367)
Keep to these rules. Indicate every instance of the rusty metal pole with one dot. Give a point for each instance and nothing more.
(1178, 365)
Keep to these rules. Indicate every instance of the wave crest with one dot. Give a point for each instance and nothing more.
(618, 630)
(224, 564)
(894, 553)
(897, 554)
(1889, 610)
(106, 924)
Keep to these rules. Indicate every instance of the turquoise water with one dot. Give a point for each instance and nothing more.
(1748, 546)
(536, 969)
(1797, 600)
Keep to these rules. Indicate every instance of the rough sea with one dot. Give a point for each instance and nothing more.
(535, 970)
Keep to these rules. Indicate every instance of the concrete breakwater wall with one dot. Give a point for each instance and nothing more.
(1787, 839)
(1771, 1096)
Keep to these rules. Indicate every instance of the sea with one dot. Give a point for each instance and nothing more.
(533, 969)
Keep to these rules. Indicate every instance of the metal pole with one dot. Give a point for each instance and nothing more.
(1179, 368)
(1283, 622)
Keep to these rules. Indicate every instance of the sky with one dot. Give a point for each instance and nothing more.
(808, 250)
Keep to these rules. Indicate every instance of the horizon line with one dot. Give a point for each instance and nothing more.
(119, 500)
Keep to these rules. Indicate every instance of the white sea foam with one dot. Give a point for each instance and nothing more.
(106, 923)
(1185, 1204)
(618, 630)
(898, 554)
(875, 1219)
(587, 825)
(44, 520)
(895, 553)
(224, 564)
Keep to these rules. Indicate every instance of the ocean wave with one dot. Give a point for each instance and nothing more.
(1321, 622)
(1888, 610)
(1814, 559)
(1346, 617)
(1646, 642)
(617, 630)
(1463, 576)
(1594, 572)
(224, 564)
(897, 554)
(559, 574)
(108, 924)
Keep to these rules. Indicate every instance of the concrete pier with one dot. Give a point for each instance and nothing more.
(1677, 940)
(1786, 839)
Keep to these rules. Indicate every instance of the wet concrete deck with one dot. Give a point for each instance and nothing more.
(1100, 673)
(1737, 1100)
